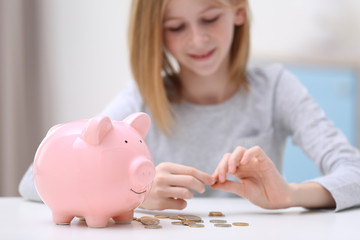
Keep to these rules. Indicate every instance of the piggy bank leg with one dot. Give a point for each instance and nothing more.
(62, 219)
(97, 221)
(124, 218)
(81, 218)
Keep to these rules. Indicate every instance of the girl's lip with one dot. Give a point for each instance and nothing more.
(204, 56)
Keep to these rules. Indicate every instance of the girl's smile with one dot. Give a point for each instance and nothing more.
(203, 56)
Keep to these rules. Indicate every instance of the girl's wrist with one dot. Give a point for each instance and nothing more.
(295, 195)
(310, 195)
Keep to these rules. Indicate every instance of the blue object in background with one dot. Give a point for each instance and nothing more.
(334, 89)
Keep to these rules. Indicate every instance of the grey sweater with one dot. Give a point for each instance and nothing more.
(277, 106)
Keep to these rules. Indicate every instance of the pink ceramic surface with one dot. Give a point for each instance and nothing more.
(97, 169)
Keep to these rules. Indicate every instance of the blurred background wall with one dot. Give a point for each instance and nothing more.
(62, 60)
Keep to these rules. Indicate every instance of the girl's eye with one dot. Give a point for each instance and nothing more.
(210, 20)
(176, 29)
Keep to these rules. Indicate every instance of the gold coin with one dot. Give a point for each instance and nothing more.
(196, 225)
(216, 214)
(217, 221)
(187, 222)
(190, 217)
(152, 226)
(162, 216)
(181, 216)
(240, 224)
(177, 223)
(222, 225)
(193, 218)
(149, 220)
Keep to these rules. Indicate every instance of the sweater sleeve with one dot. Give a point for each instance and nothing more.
(321, 141)
(27, 187)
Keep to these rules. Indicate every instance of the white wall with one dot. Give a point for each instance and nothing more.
(328, 29)
(85, 59)
(85, 56)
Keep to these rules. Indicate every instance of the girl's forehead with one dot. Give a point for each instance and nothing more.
(174, 8)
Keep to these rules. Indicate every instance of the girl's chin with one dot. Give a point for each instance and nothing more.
(199, 72)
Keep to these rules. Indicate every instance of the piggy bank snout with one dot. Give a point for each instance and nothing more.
(142, 172)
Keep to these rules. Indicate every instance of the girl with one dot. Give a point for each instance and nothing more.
(212, 111)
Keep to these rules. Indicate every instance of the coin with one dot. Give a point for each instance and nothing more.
(188, 222)
(162, 216)
(222, 225)
(193, 218)
(216, 214)
(217, 221)
(146, 220)
(189, 217)
(177, 223)
(196, 225)
(240, 224)
(152, 226)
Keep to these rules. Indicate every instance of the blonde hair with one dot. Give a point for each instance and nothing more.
(152, 70)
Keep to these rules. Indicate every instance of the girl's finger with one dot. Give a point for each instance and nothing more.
(231, 186)
(178, 169)
(222, 168)
(254, 152)
(234, 160)
(173, 203)
(175, 192)
(187, 181)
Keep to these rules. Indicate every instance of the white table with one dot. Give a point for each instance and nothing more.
(20, 219)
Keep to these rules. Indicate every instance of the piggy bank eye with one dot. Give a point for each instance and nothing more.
(140, 141)
(126, 141)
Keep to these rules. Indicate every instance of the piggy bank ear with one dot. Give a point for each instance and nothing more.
(96, 129)
(140, 121)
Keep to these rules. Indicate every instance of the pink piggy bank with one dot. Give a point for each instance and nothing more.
(97, 169)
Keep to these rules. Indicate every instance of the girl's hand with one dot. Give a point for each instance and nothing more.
(172, 184)
(261, 183)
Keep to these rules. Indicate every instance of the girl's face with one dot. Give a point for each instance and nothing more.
(199, 33)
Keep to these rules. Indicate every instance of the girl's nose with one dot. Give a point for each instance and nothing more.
(198, 37)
